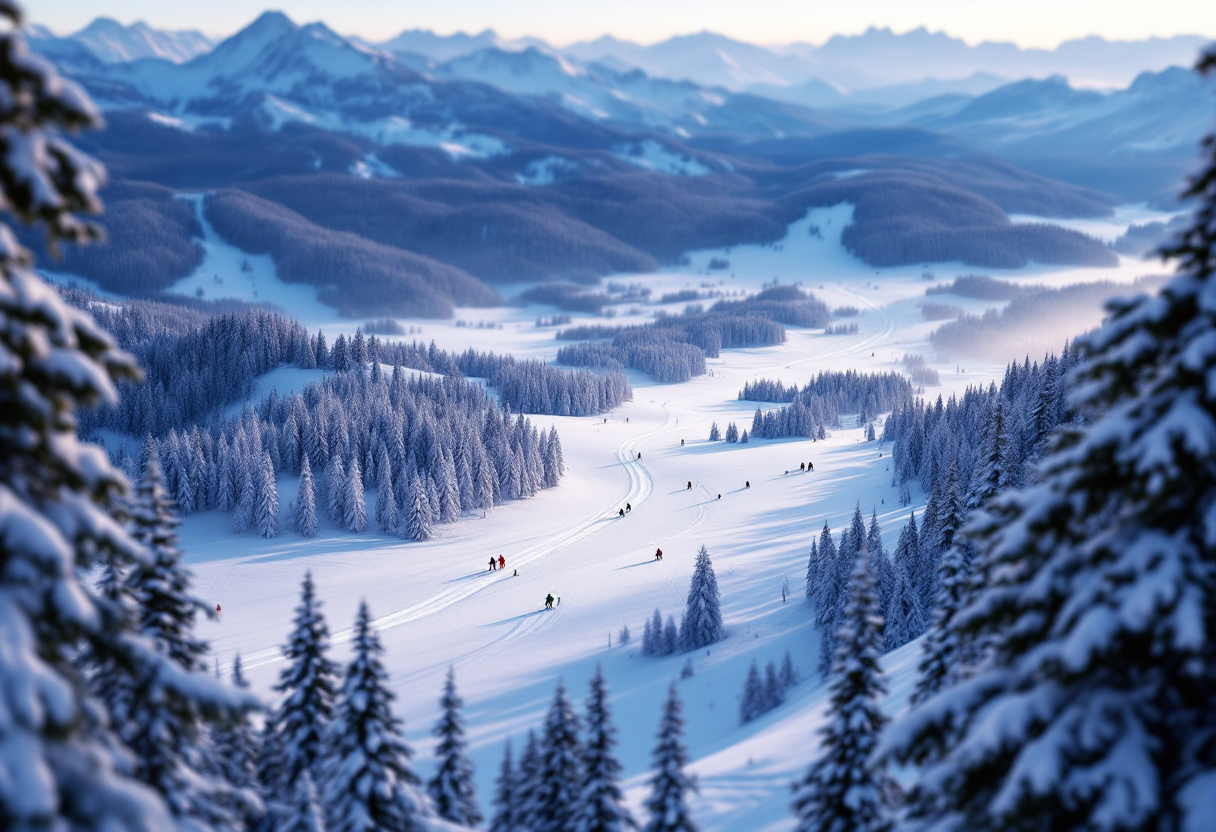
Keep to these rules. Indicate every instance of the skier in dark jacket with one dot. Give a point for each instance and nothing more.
(658, 554)
(620, 513)
(549, 601)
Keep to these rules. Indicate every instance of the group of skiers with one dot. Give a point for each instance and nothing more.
(499, 563)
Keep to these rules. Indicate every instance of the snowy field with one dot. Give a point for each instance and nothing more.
(436, 605)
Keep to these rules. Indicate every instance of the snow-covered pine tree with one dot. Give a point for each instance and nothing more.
(1096, 595)
(358, 349)
(451, 789)
(601, 804)
(56, 493)
(244, 515)
(236, 752)
(556, 459)
(666, 804)
(506, 796)
(354, 516)
(623, 637)
(336, 484)
(370, 782)
(387, 517)
(527, 781)
(774, 693)
(751, 703)
(880, 566)
(702, 622)
(417, 521)
(165, 724)
(648, 639)
(671, 637)
(812, 573)
(714, 433)
(301, 719)
(906, 617)
(557, 793)
(306, 502)
(845, 789)
(268, 500)
(994, 474)
(939, 665)
(732, 432)
(828, 602)
(789, 676)
(743, 438)
(303, 814)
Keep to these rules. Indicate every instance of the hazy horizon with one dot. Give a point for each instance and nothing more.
(1028, 24)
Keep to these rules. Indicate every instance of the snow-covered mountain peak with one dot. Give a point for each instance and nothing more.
(111, 42)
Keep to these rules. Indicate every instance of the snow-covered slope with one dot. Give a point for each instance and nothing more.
(436, 606)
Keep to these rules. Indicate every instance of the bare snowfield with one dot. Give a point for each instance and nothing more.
(436, 604)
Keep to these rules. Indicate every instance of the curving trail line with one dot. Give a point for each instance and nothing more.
(641, 487)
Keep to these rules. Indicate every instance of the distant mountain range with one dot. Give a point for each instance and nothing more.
(495, 162)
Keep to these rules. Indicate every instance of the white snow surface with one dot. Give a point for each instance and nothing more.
(435, 604)
(651, 155)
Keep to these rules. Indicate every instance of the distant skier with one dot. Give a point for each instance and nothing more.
(719, 496)
(621, 513)
(628, 508)
(639, 454)
(810, 466)
(502, 562)
(493, 564)
(549, 601)
(681, 443)
(217, 609)
(658, 554)
(801, 466)
(689, 486)
(747, 484)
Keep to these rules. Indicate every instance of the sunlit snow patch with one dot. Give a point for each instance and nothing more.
(654, 156)
(228, 272)
(545, 171)
(370, 167)
(451, 139)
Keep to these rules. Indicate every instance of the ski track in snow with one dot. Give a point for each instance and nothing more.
(641, 487)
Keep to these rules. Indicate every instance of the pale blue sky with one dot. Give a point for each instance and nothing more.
(1027, 22)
